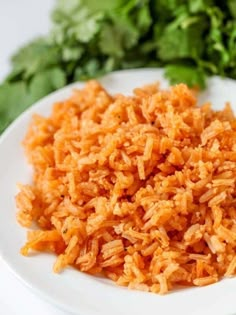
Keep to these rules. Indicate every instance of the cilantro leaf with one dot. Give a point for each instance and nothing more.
(13, 100)
(181, 42)
(232, 8)
(16, 97)
(45, 82)
(37, 55)
(191, 75)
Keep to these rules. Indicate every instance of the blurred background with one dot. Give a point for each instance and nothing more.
(21, 21)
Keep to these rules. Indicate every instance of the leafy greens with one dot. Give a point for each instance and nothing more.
(191, 39)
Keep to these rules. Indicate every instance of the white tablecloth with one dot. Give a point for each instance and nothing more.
(20, 21)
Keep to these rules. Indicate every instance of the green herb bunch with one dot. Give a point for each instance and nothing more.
(191, 39)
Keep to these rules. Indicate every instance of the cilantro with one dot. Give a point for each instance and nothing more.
(191, 39)
(14, 95)
(45, 82)
(190, 75)
(36, 56)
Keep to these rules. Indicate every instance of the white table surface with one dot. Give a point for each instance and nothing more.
(20, 21)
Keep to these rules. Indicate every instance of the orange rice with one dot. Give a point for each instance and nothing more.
(139, 188)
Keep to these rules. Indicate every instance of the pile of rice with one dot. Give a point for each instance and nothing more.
(139, 188)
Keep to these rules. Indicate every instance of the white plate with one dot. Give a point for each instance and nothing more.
(74, 291)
